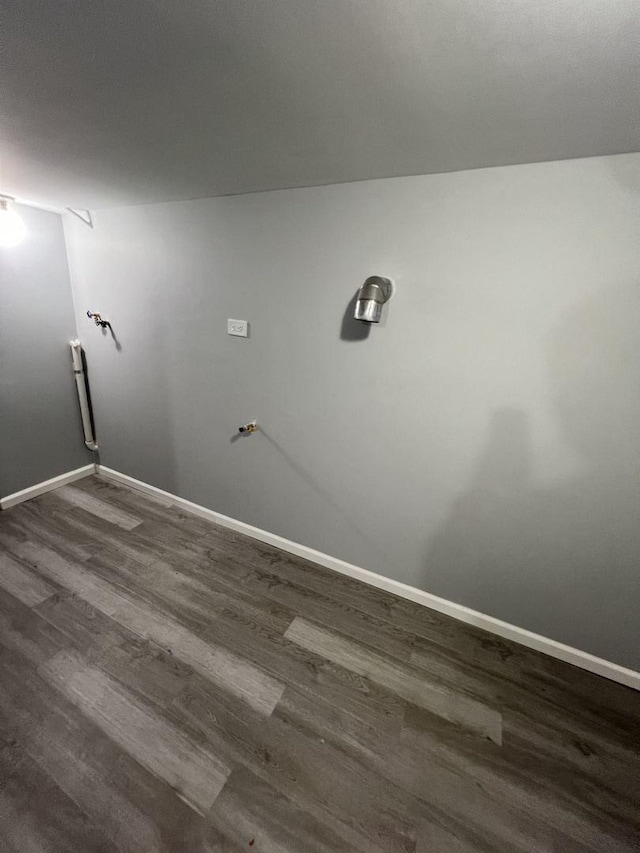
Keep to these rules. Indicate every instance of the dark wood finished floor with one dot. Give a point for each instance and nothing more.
(169, 685)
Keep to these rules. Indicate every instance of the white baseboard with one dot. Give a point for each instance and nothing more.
(47, 486)
(584, 660)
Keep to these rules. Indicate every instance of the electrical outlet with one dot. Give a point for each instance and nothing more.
(238, 327)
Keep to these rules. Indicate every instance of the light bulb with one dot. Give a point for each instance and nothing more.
(12, 228)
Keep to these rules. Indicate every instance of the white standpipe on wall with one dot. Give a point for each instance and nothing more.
(81, 385)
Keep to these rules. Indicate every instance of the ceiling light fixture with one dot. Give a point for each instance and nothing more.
(12, 228)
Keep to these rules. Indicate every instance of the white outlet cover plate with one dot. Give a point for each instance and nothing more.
(238, 327)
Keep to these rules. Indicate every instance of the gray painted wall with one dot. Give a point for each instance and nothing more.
(40, 429)
(482, 444)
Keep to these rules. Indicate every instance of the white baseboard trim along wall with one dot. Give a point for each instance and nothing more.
(584, 660)
(464, 614)
(46, 486)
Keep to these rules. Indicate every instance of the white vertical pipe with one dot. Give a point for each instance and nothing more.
(78, 372)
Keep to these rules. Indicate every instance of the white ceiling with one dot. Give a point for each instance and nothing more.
(109, 102)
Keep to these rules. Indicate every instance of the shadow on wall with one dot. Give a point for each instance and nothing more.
(116, 342)
(341, 510)
(562, 561)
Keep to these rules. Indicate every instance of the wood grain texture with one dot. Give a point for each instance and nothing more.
(221, 665)
(26, 791)
(23, 632)
(101, 509)
(455, 707)
(168, 685)
(196, 776)
(133, 807)
(23, 584)
(250, 808)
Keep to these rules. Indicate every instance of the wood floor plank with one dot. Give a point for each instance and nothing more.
(334, 614)
(193, 597)
(500, 672)
(180, 525)
(550, 724)
(68, 573)
(147, 670)
(36, 522)
(498, 794)
(137, 663)
(401, 617)
(584, 774)
(368, 812)
(236, 733)
(72, 531)
(25, 632)
(293, 665)
(316, 578)
(22, 583)
(35, 814)
(197, 776)
(85, 627)
(335, 716)
(367, 740)
(143, 505)
(433, 838)
(259, 817)
(283, 757)
(101, 509)
(225, 668)
(436, 790)
(456, 708)
(138, 811)
(158, 587)
(218, 720)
